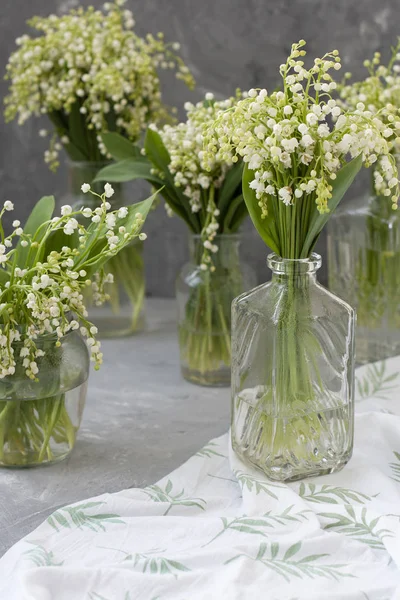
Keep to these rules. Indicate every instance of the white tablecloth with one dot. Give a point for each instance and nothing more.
(216, 529)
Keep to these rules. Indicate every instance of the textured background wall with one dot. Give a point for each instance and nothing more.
(227, 43)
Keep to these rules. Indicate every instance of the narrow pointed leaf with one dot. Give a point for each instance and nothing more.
(265, 227)
(118, 146)
(274, 549)
(292, 551)
(231, 187)
(344, 179)
(129, 170)
(42, 212)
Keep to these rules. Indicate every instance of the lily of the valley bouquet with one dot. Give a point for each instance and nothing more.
(45, 268)
(292, 341)
(89, 73)
(208, 197)
(367, 234)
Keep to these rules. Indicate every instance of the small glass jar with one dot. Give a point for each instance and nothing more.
(363, 264)
(124, 312)
(39, 419)
(292, 374)
(204, 309)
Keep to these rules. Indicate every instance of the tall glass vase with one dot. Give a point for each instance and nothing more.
(204, 310)
(123, 313)
(292, 374)
(364, 268)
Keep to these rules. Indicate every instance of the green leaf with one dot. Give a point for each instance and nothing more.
(244, 529)
(312, 558)
(41, 213)
(107, 517)
(177, 565)
(57, 239)
(292, 551)
(153, 566)
(60, 122)
(61, 520)
(261, 551)
(168, 488)
(77, 129)
(232, 182)
(129, 170)
(92, 250)
(265, 227)
(274, 549)
(51, 523)
(118, 146)
(4, 276)
(233, 216)
(156, 150)
(160, 158)
(254, 522)
(344, 179)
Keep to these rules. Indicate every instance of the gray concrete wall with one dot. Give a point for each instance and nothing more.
(227, 43)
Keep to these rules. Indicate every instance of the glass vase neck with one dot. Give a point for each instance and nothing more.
(283, 268)
(228, 248)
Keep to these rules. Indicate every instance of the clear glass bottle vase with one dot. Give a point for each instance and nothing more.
(292, 374)
(363, 264)
(124, 312)
(204, 309)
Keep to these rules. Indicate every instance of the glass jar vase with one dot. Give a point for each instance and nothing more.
(39, 419)
(124, 311)
(204, 309)
(292, 374)
(363, 263)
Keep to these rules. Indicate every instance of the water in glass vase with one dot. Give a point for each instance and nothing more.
(41, 430)
(204, 301)
(286, 446)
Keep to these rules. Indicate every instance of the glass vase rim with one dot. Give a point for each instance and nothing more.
(231, 236)
(281, 265)
(44, 337)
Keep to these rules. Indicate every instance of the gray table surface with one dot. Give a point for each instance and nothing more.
(141, 421)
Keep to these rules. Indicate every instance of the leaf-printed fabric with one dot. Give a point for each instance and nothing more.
(217, 529)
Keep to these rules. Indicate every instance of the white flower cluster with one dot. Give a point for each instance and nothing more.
(185, 145)
(94, 59)
(199, 180)
(297, 139)
(380, 93)
(46, 296)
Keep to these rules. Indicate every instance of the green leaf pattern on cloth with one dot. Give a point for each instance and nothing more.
(395, 466)
(40, 557)
(356, 524)
(377, 382)
(256, 484)
(329, 494)
(288, 565)
(78, 516)
(216, 528)
(166, 495)
(209, 451)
